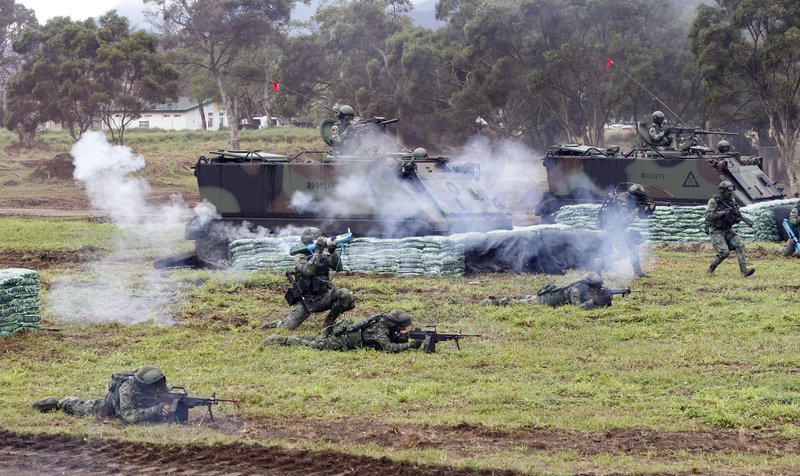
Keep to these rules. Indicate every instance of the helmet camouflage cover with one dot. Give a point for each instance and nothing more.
(726, 185)
(398, 319)
(658, 117)
(310, 234)
(638, 191)
(593, 279)
(723, 146)
(148, 375)
(347, 111)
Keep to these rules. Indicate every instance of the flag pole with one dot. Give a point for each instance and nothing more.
(276, 86)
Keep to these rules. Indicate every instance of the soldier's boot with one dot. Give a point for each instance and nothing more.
(46, 404)
(637, 270)
(271, 325)
(330, 319)
(717, 260)
(274, 340)
(788, 248)
(743, 265)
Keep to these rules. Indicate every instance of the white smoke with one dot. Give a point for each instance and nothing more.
(124, 287)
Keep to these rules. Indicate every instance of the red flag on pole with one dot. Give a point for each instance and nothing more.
(609, 64)
(275, 85)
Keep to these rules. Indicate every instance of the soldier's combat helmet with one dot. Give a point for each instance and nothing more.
(638, 191)
(148, 375)
(397, 319)
(726, 186)
(658, 117)
(345, 111)
(309, 235)
(723, 146)
(593, 279)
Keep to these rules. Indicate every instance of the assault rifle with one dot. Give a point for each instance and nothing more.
(696, 130)
(621, 292)
(294, 293)
(344, 238)
(180, 403)
(734, 216)
(792, 234)
(430, 337)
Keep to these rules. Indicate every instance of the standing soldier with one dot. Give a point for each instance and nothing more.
(312, 277)
(722, 213)
(386, 332)
(588, 293)
(123, 399)
(618, 213)
(658, 135)
(794, 221)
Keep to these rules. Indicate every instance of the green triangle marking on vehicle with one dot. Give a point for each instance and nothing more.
(690, 181)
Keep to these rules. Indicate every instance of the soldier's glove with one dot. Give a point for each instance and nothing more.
(320, 244)
(415, 344)
(331, 245)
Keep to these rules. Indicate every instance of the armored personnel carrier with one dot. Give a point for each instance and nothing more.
(364, 187)
(687, 175)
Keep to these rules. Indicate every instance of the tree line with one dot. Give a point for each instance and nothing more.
(534, 70)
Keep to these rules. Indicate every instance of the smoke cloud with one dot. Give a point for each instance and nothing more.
(123, 287)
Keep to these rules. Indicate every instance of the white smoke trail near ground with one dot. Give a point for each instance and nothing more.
(123, 287)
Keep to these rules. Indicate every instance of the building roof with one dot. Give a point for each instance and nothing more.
(184, 103)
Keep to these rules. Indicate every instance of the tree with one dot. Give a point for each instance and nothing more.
(216, 32)
(78, 72)
(759, 42)
(13, 19)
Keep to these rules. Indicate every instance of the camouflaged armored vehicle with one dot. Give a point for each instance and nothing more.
(371, 191)
(686, 175)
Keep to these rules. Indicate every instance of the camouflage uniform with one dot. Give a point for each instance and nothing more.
(121, 401)
(659, 136)
(794, 221)
(313, 276)
(614, 220)
(339, 132)
(722, 236)
(371, 333)
(577, 293)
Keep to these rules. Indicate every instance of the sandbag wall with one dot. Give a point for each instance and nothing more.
(684, 224)
(523, 250)
(19, 300)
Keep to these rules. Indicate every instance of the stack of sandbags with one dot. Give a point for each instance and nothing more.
(681, 224)
(263, 253)
(430, 255)
(19, 300)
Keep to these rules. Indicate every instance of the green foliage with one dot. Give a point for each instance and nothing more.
(71, 234)
(77, 72)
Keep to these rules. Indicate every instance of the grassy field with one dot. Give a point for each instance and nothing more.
(689, 353)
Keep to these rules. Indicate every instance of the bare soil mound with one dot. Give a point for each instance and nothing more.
(25, 455)
(59, 167)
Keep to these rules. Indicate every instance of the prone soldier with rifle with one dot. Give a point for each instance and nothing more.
(134, 397)
(386, 332)
(721, 214)
(588, 293)
(311, 289)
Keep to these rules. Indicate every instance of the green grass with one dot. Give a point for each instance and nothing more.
(688, 353)
(71, 234)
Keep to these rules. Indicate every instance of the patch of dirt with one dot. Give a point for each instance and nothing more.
(25, 455)
(59, 167)
(40, 259)
(463, 439)
(686, 247)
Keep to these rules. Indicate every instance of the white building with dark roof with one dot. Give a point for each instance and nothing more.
(183, 115)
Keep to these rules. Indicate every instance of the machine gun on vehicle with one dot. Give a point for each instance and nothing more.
(430, 337)
(697, 130)
(180, 403)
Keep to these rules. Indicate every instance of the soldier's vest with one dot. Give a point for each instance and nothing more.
(112, 397)
(352, 334)
(722, 223)
(320, 282)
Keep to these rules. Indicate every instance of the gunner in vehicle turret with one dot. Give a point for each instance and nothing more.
(658, 134)
(340, 130)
